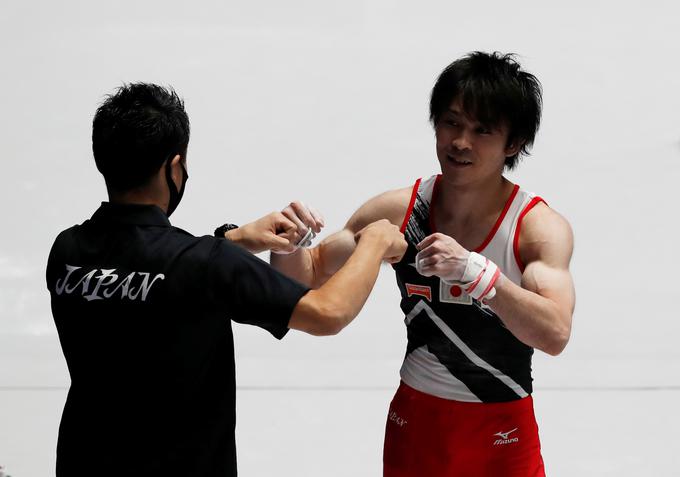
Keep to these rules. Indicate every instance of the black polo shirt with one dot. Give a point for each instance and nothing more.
(143, 312)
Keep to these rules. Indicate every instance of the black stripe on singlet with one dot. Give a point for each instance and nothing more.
(422, 331)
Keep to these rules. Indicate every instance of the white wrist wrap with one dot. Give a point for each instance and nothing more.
(479, 277)
(475, 265)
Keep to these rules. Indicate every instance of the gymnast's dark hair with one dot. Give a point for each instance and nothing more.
(135, 130)
(493, 89)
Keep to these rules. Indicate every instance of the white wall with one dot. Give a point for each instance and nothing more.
(327, 102)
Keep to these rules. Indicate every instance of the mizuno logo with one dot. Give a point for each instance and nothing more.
(505, 438)
(399, 421)
(420, 290)
(504, 435)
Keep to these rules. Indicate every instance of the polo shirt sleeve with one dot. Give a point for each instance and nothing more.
(250, 291)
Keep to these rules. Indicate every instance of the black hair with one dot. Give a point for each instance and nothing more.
(493, 89)
(135, 130)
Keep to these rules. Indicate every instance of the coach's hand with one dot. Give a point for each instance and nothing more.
(390, 236)
(270, 232)
(305, 218)
(442, 256)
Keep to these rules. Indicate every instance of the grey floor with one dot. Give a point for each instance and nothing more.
(314, 432)
(300, 417)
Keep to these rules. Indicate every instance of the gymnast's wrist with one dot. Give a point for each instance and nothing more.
(480, 277)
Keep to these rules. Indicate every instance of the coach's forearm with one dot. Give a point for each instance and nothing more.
(533, 319)
(350, 287)
(337, 302)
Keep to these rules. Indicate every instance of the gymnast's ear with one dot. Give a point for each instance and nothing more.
(513, 147)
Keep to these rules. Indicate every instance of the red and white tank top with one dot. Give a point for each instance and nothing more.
(457, 347)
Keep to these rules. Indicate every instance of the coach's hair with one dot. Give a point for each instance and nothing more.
(493, 89)
(135, 130)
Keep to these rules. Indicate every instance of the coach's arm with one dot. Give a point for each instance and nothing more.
(331, 307)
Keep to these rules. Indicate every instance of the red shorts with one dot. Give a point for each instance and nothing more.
(427, 436)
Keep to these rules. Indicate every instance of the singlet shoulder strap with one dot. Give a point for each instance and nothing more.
(501, 218)
(415, 224)
(421, 196)
(411, 203)
(530, 202)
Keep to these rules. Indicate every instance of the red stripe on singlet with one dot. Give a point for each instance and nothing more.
(515, 239)
(410, 206)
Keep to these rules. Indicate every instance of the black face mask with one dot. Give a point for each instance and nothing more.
(175, 195)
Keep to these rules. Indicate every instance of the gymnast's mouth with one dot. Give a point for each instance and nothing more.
(458, 161)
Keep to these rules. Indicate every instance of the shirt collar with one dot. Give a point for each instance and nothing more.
(136, 214)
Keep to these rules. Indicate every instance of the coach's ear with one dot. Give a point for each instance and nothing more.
(176, 171)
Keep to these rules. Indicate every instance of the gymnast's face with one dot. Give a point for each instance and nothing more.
(469, 150)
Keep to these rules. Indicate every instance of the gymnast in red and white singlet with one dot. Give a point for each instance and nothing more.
(464, 406)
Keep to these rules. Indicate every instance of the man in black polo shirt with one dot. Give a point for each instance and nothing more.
(143, 308)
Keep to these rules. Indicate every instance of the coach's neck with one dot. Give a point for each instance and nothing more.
(153, 192)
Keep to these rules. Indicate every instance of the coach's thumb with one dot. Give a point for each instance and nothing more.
(278, 242)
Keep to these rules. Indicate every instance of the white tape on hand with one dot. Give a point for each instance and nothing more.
(479, 277)
(482, 286)
(475, 265)
(419, 265)
(306, 240)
